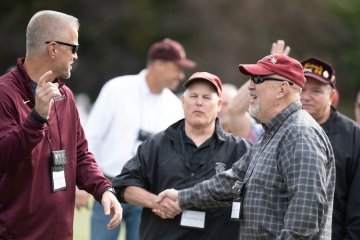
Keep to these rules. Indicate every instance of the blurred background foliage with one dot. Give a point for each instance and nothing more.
(219, 34)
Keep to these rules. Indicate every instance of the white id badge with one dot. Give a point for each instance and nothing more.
(193, 219)
(58, 162)
(59, 182)
(235, 211)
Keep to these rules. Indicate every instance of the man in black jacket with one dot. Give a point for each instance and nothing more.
(344, 135)
(189, 151)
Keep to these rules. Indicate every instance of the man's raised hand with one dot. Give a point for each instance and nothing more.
(279, 47)
(44, 94)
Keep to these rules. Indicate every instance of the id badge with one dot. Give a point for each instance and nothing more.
(193, 219)
(58, 180)
(238, 190)
(58, 162)
(236, 211)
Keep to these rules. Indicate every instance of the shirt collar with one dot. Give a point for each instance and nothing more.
(330, 125)
(275, 122)
(144, 88)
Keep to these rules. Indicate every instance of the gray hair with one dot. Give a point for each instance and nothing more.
(45, 26)
(230, 88)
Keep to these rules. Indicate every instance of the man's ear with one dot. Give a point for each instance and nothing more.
(332, 96)
(283, 89)
(51, 49)
(220, 104)
(182, 99)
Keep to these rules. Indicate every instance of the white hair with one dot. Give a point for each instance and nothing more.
(229, 88)
(45, 26)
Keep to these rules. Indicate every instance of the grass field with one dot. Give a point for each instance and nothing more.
(82, 224)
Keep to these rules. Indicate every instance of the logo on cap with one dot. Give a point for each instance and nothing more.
(269, 58)
(319, 70)
(273, 60)
(277, 64)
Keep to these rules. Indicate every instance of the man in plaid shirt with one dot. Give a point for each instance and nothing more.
(288, 176)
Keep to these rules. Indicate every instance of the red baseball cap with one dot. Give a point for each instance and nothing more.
(319, 70)
(170, 50)
(213, 79)
(278, 64)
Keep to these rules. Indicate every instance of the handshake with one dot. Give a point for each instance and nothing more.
(167, 204)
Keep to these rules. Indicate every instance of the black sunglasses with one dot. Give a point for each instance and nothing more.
(261, 79)
(75, 47)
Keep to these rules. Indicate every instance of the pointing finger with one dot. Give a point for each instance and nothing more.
(43, 79)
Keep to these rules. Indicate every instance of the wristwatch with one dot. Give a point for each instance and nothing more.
(110, 189)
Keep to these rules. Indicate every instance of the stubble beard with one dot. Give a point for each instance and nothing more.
(254, 110)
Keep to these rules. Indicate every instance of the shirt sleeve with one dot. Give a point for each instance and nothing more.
(17, 140)
(100, 118)
(132, 174)
(88, 174)
(306, 170)
(353, 203)
(217, 191)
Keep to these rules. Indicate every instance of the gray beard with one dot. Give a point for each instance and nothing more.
(254, 111)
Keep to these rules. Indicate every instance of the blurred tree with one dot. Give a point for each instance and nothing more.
(350, 56)
(220, 34)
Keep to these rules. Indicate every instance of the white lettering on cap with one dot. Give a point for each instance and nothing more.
(273, 60)
(269, 58)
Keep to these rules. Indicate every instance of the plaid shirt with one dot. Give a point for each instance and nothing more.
(289, 194)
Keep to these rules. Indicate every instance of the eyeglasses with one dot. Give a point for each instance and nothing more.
(75, 47)
(261, 79)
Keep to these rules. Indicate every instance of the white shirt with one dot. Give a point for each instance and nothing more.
(124, 106)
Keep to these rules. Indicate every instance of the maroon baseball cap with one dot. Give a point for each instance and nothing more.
(213, 79)
(278, 64)
(319, 70)
(170, 50)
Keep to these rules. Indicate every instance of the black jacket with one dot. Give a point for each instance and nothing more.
(344, 135)
(160, 163)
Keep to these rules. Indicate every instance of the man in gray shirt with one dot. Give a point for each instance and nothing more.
(283, 187)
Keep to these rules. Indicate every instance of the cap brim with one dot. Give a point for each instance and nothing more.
(186, 63)
(316, 77)
(254, 69)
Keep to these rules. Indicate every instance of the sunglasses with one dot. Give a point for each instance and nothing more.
(74, 47)
(261, 79)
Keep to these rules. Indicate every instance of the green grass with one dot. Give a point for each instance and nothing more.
(82, 224)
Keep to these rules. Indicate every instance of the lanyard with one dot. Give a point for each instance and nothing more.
(249, 173)
(58, 127)
(33, 89)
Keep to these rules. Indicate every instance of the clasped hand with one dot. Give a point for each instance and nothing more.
(167, 204)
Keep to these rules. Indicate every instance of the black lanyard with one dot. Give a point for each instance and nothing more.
(33, 89)
(247, 176)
